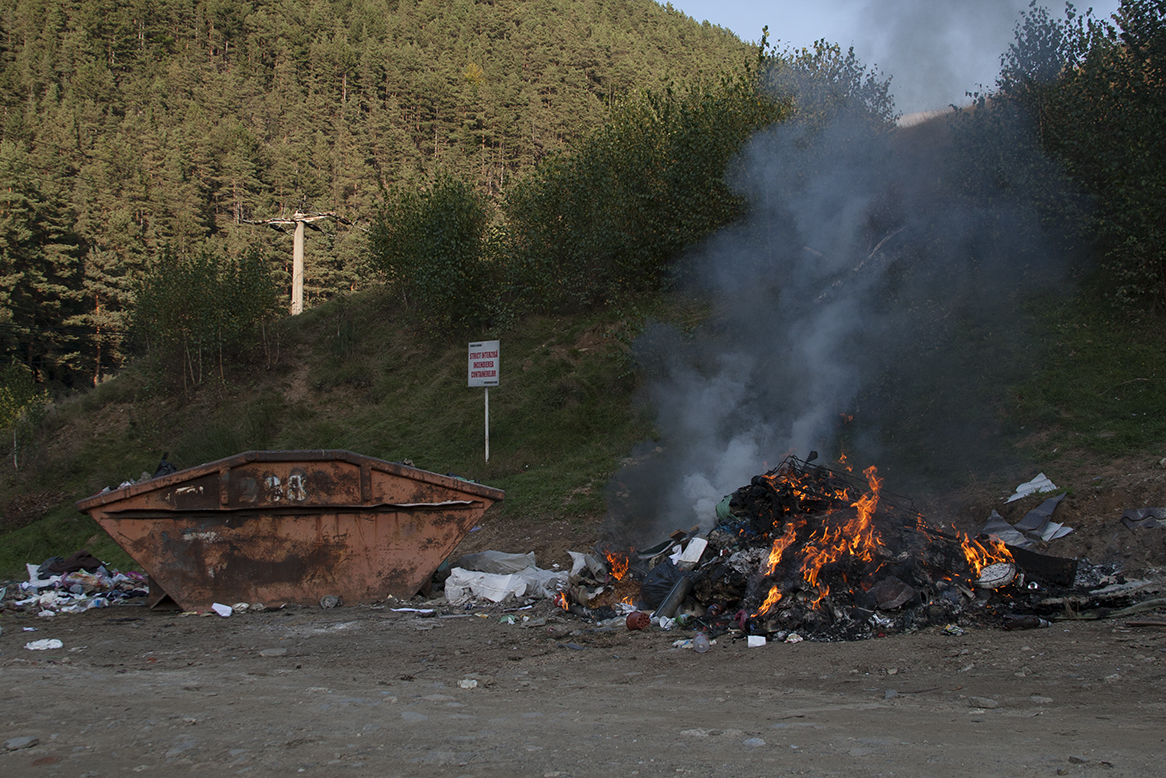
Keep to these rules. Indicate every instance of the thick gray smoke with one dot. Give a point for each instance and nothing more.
(937, 50)
(860, 286)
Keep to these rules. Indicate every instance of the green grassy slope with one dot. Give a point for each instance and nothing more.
(349, 375)
(353, 374)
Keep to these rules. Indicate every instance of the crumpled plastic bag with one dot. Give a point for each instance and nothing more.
(44, 645)
(593, 565)
(464, 585)
(35, 581)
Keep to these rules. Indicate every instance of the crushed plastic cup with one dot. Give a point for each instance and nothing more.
(700, 643)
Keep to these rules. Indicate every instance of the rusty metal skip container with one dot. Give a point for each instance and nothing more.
(290, 527)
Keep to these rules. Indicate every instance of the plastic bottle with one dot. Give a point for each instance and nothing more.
(700, 643)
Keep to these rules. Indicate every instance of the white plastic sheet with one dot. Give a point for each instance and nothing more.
(1039, 485)
(464, 585)
(498, 562)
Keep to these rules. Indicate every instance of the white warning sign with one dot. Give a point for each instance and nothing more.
(484, 362)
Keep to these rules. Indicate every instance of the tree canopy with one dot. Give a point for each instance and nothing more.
(137, 130)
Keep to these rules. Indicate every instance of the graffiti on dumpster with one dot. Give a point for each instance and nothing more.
(294, 489)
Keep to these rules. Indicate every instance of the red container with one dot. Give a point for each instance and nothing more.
(638, 620)
(290, 526)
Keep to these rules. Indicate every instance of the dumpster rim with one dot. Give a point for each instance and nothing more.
(289, 455)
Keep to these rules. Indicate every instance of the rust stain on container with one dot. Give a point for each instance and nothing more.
(290, 527)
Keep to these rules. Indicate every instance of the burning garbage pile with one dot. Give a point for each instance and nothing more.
(805, 551)
(817, 552)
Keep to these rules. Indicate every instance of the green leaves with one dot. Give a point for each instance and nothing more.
(40, 270)
(191, 309)
(1094, 98)
(607, 221)
(432, 245)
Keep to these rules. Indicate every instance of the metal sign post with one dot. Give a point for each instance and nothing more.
(484, 371)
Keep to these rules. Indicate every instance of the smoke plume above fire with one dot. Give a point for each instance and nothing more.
(872, 300)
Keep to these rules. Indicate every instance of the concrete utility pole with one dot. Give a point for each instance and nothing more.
(298, 220)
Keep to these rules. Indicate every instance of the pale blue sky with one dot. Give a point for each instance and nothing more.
(935, 50)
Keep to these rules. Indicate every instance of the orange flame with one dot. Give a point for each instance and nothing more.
(562, 601)
(618, 564)
(859, 531)
(855, 538)
(979, 556)
(781, 544)
(770, 601)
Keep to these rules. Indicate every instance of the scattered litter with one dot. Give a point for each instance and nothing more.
(997, 527)
(1035, 526)
(756, 641)
(222, 610)
(75, 585)
(44, 645)
(1016, 621)
(663, 622)
(1144, 518)
(1039, 485)
(1036, 523)
(467, 683)
(592, 564)
(464, 585)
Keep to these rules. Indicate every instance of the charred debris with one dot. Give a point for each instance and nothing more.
(809, 552)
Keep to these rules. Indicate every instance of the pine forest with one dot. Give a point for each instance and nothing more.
(138, 132)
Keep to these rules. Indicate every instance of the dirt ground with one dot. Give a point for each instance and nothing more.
(367, 690)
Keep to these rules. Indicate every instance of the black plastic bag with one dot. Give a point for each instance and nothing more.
(658, 583)
(164, 467)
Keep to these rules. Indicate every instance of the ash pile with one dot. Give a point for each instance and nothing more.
(808, 552)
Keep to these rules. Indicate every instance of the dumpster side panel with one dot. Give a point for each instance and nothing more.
(203, 558)
(286, 526)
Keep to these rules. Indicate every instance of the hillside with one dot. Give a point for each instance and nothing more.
(765, 266)
(348, 375)
(132, 133)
